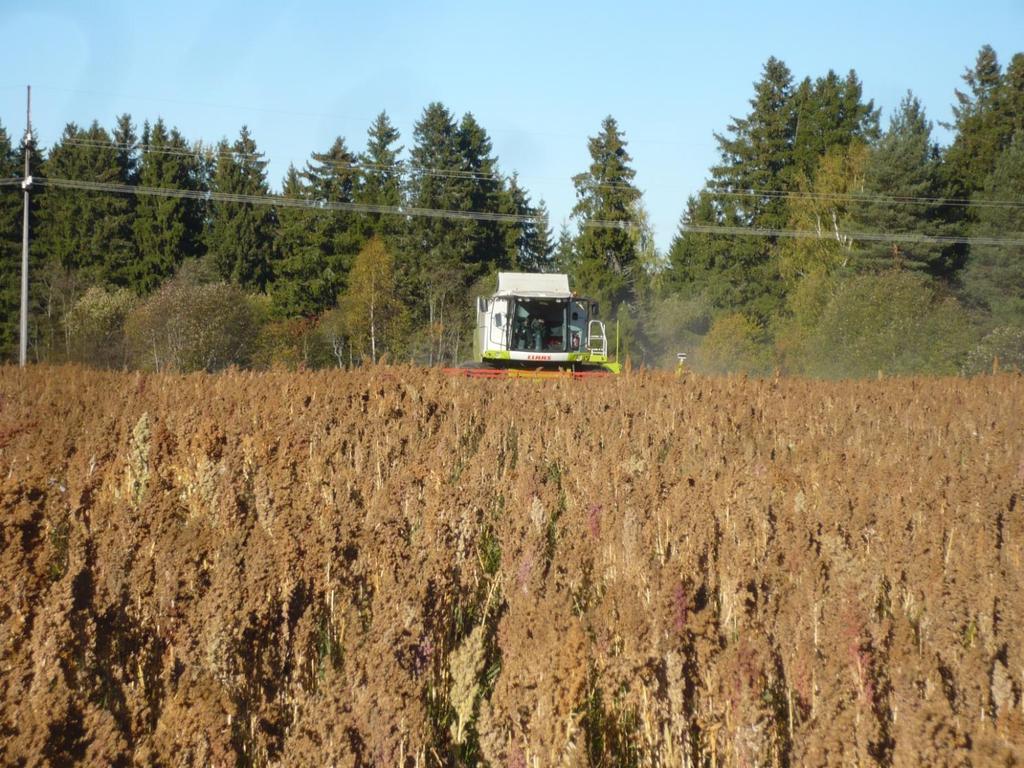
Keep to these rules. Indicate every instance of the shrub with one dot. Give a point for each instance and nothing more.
(896, 322)
(95, 327)
(187, 326)
(734, 343)
(1004, 345)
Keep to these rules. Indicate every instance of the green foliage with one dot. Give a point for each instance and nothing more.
(314, 244)
(192, 326)
(526, 245)
(374, 315)
(821, 205)
(380, 179)
(673, 324)
(986, 117)
(241, 235)
(795, 329)
(903, 165)
(167, 230)
(896, 322)
(994, 275)
(605, 254)
(85, 231)
(1002, 349)
(11, 212)
(95, 327)
(735, 343)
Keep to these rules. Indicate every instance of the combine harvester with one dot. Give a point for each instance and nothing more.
(533, 326)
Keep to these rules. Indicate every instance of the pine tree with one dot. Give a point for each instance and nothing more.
(903, 165)
(757, 159)
(167, 229)
(565, 250)
(241, 237)
(605, 252)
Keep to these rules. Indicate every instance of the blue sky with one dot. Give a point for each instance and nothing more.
(538, 76)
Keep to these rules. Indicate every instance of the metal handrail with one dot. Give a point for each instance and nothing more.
(600, 348)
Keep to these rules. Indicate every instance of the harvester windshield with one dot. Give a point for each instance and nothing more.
(548, 325)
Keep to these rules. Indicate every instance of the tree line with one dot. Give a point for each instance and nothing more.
(822, 242)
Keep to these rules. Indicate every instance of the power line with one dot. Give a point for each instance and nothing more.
(886, 237)
(508, 218)
(404, 167)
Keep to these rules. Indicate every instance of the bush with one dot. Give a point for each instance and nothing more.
(734, 343)
(1004, 345)
(805, 306)
(188, 326)
(95, 327)
(897, 322)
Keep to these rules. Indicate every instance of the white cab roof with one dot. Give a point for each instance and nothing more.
(528, 284)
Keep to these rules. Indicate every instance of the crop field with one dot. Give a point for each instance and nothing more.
(390, 567)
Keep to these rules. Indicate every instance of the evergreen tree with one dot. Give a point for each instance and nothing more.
(830, 114)
(483, 186)
(304, 285)
(980, 131)
(241, 237)
(127, 144)
(565, 249)
(380, 179)
(994, 275)
(11, 212)
(167, 229)
(903, 165)
(440, 253)
(605, 252)
(527, 243)
(757, 159)
(746, 190)
(85, 232)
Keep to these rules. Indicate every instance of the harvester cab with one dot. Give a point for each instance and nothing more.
(533, 321)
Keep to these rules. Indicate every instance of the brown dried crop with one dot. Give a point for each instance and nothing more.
(389, 567)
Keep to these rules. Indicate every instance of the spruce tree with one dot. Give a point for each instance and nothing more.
(994, 275)
(437, 250)
(332, 177)
(980, 132)
(526, 244)
(241, 237)
(11, 212)
(830, 113)
(903, 165)
(482, 186)
(87, 233)
(167, 229)
(380, 180)
(304, 284)
(605, 253)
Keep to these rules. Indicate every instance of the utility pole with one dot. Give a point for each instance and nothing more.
(26, 184)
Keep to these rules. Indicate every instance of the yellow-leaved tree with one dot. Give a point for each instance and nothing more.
(374, 315)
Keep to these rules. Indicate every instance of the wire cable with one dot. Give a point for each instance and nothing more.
(507, 218)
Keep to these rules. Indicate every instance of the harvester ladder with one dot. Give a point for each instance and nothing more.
(597, 342)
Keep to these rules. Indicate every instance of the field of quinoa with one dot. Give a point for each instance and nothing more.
(388, 567)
